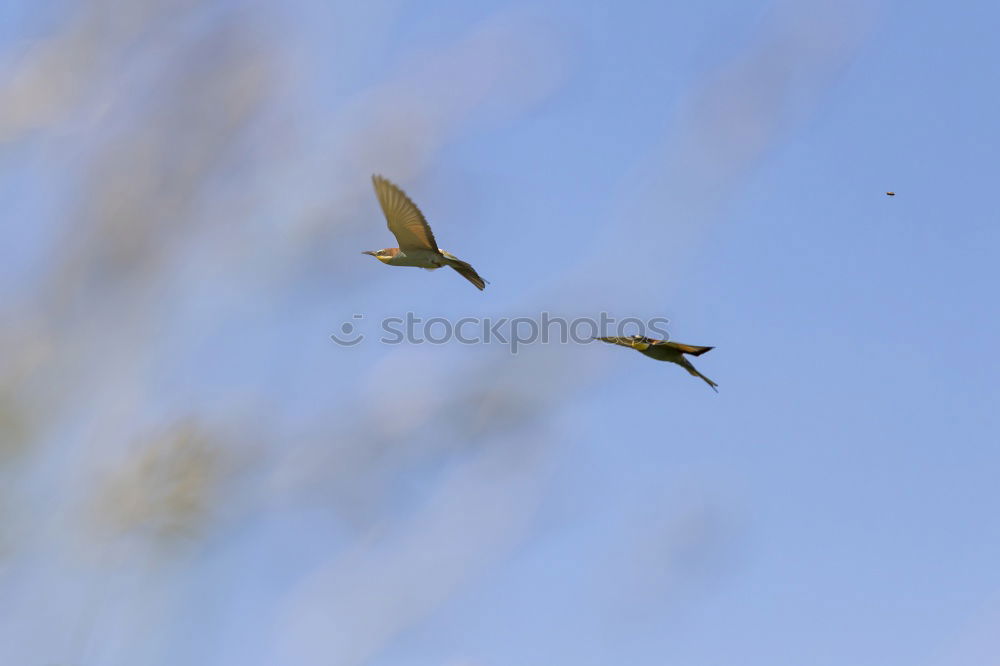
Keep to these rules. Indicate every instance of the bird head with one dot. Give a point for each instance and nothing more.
(639, 342)
(633, 341)
(383, 255)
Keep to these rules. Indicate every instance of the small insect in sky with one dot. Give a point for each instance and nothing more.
(891, 194)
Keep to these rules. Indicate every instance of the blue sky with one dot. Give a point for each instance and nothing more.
(191, 193)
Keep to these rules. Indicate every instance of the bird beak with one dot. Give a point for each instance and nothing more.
(371, 252)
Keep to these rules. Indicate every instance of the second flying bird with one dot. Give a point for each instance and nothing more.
(417, 246)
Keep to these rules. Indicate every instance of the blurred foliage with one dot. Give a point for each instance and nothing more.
(14, 427)
(166, 487)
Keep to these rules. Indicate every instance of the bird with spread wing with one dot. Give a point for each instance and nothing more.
(665, 350)
(417, 246)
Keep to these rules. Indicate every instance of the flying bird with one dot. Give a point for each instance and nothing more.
(665, 350)
(417, 246)
(891, 194)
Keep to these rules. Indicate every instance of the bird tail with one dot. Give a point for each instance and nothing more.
(686, 364)
(465, 270)
(694, 350)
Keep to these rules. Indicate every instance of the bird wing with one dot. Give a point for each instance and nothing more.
(686, 364)
(694, 350)
(406, 222)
